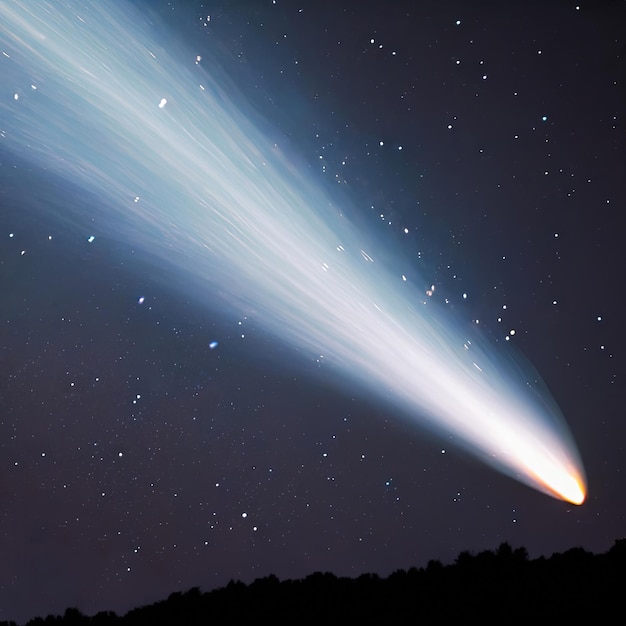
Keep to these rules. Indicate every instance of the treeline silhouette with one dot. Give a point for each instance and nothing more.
(502, 586)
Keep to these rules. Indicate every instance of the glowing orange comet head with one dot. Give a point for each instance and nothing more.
(563, 482)
(573, 490)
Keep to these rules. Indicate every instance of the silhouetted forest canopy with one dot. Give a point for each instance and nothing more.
(501, 586)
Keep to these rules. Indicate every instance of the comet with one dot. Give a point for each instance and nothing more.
(184, 172)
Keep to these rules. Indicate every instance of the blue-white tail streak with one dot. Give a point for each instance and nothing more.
(86, 91)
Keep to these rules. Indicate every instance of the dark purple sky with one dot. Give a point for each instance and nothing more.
(136, 461)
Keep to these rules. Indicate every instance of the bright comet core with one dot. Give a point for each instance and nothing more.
(89, 94)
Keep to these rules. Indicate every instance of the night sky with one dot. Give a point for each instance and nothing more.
(479, 145)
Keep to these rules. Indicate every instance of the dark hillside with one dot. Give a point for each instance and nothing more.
(502, 586)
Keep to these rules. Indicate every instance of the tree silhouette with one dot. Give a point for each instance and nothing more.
(501, 586)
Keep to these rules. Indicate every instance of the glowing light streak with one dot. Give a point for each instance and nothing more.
(221, 204)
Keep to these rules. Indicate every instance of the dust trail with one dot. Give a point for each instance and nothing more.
(86, 91)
